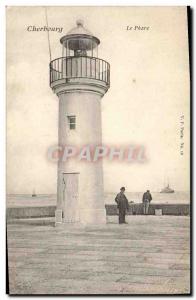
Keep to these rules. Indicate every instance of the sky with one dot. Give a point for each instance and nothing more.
(149, 93)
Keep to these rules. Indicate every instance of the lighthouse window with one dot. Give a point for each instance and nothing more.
(72, 122)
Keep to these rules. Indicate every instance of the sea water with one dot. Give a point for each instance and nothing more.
(17, 200)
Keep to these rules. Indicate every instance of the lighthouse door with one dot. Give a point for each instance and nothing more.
(70, 197)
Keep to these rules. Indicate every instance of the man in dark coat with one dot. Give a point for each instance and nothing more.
(146, 201)
(122, 205)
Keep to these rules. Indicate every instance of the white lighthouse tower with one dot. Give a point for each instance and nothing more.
(80, 79)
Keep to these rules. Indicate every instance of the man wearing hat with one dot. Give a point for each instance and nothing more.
(146, 201)
(122, 205)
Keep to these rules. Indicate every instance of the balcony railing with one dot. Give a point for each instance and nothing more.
(80, 67)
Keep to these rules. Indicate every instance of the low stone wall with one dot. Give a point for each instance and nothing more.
(30, 212)
(167, 209)
(111, 210)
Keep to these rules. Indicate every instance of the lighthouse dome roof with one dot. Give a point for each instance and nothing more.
(79, 29)
(80, 32)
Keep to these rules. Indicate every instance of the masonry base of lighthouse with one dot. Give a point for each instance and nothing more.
(58, 217)
(87, 216)
(80, 200)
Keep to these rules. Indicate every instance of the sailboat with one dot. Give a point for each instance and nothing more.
(34, 194)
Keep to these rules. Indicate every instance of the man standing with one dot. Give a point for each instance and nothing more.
(122, 205)
(146, 201)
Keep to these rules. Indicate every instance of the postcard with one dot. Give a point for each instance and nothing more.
(98, 150)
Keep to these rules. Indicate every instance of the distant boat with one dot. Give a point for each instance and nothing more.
(167, 190)
(34, 194)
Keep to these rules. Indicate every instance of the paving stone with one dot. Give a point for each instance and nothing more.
(150, 255)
